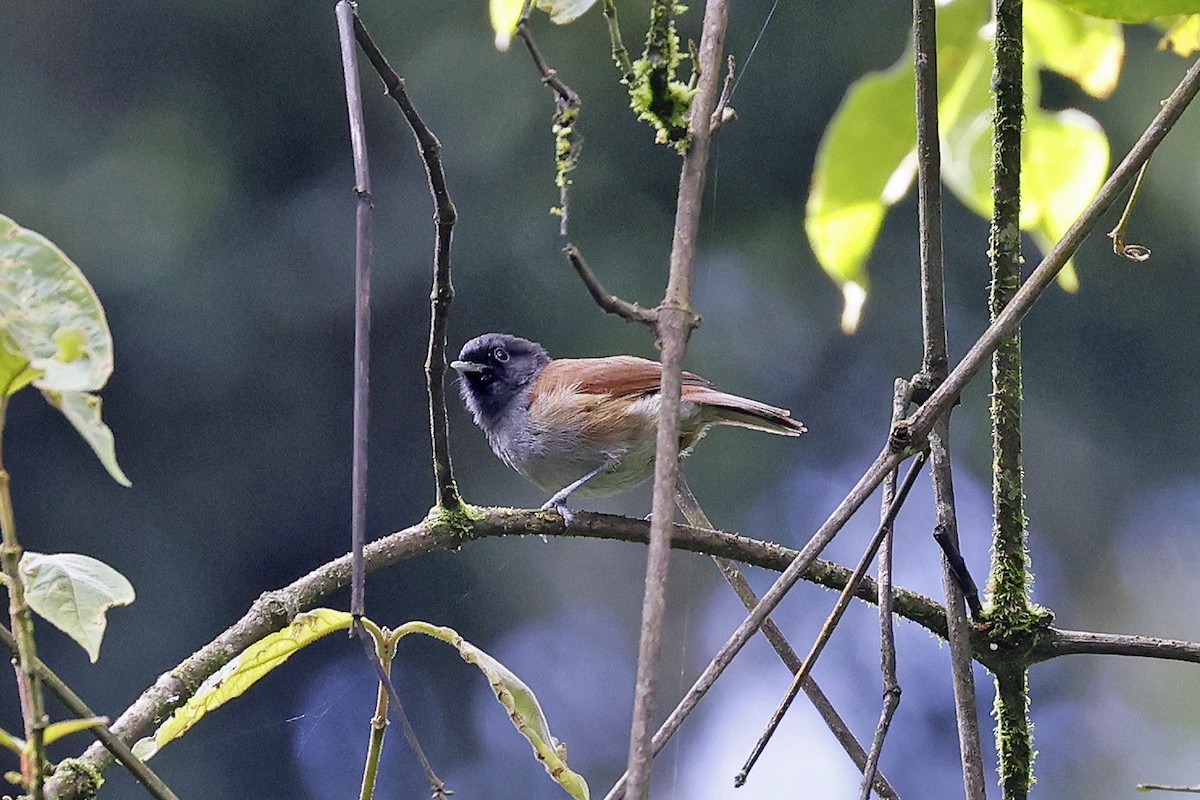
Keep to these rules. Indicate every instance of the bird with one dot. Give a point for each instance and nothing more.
(587, 427)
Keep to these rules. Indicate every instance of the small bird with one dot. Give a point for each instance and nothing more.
(587, 426)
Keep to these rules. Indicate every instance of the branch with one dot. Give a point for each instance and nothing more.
(675, 322)
(444, 217)
(732, 573)
(362, 299)
(630, 312)
(934, 367)
(75, 704)
(442, 532)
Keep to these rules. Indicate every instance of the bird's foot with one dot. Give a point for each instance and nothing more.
(567, 515)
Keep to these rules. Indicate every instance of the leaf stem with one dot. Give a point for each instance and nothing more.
(384, 651)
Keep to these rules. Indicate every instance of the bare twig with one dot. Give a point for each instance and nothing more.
(723, 113)
(835, 616)
(956, 579)
(887, 635)
(1156, 787)
(732, 573)
(362, 298)
(74, 703)
(444, 217)
(630, 312)
(675, 321)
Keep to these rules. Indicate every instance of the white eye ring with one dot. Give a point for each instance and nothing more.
(500, 354)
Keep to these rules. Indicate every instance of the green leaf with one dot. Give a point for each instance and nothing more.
(520, 703)
(73, 592)
(1085, 49)
(50, 313)
(15, 370)
(57, 730)
(1133, 10)
(1066, 159)
(242, 672)
(1182, 36)
(82, 410)
(505, 14)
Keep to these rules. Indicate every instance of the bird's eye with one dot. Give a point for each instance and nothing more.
(500, 354)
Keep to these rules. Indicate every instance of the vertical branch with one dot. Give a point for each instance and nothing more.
(675, 323)
(29, 683)
(444, 217)
(934, 368)
(887, 634)
(362, 302)
(1009, 582)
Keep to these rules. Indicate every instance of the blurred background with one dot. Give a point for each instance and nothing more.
(193, 159)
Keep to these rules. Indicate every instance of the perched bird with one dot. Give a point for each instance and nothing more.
(587, 426)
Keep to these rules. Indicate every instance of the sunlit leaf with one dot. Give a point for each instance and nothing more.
(82, 410)
(505, 14)
(15, 370)
(50, 313)
(1133, 10)
(520, 703)
(1183, 36)
(1066, 159)
(1088, 50)
(242, 672)
(74, 592)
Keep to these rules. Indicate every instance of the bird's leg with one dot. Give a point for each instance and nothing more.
(557, 501)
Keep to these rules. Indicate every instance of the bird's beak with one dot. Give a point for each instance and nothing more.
(466, 366)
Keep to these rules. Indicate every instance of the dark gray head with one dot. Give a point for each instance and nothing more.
(497, 369)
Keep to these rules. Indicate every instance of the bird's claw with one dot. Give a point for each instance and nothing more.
(567, 515)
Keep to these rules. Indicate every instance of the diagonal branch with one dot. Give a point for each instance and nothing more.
(609, 302)
(732, 573)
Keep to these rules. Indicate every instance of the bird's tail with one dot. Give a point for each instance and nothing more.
(729, 409)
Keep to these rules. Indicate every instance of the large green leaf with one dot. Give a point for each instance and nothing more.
(866, 158)
(1133, 10)
(50, 313)
(74, 592)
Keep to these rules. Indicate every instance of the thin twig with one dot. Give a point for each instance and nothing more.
(444, 217)
(956, 579)
(901, 395)
(1156, 787)
(29, 683)
(723, 113)
(567, 142)
(362, 299)
(396, 709)
(694, 513)
(630, 312)
(1133, 252)
(153, 784)
(675, 322)
(835, 616)
(620, 54)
